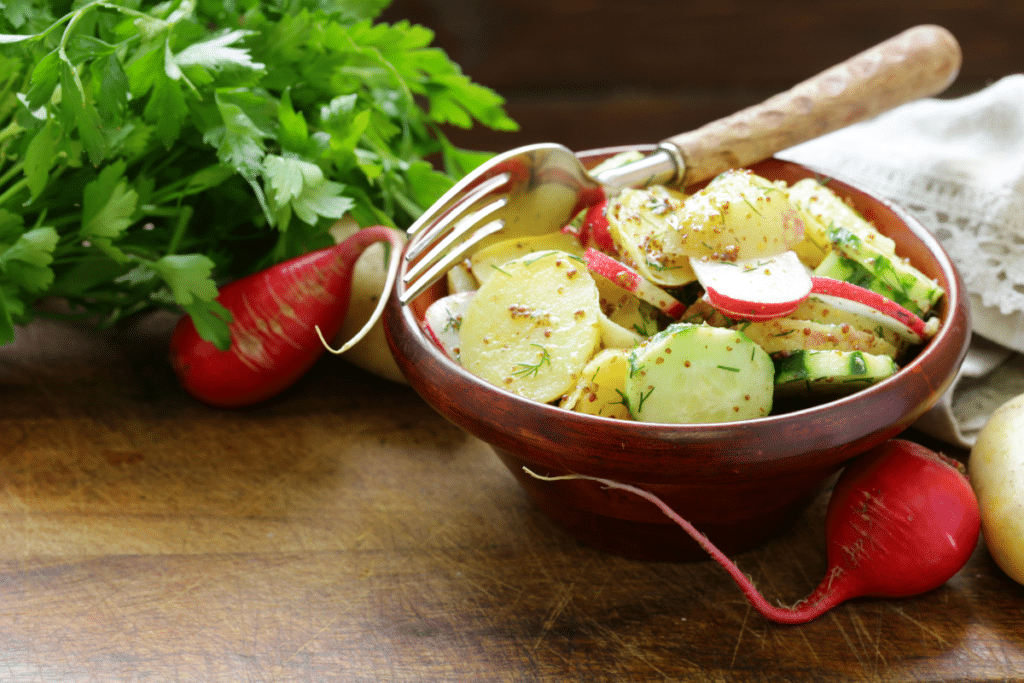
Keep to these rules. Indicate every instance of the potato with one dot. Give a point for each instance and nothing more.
(483, 262)
(996, 471)
(737, 216)
(532, 327)
(599, 390)
(639, 221)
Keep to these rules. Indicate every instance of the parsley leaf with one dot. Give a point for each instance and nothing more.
(152, 150)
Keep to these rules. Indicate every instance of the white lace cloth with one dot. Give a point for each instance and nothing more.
(958, 166)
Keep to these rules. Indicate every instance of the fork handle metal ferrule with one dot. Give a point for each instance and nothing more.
(661, 167)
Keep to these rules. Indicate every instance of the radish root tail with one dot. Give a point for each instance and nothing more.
(394, 260)
(782, 615)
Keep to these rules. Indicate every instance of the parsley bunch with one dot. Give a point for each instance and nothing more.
(149, 151)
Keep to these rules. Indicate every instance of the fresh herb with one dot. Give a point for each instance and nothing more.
(644, 397)
(531, 369)
(623, 400)
(151, 151)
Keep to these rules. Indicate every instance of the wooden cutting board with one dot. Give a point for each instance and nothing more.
(345, 532)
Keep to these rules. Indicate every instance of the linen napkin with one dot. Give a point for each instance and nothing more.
(957, 165)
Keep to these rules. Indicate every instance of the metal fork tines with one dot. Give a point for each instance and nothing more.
(448, 249)
(524, 191)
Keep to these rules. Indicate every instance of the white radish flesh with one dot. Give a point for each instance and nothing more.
(443, 320)
(755, 289)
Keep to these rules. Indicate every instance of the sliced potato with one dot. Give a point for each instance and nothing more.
(815, 245)
(533, 326)
(483, 262)
(626, 308)
(461, 279)
(600, 389)
(832, 213)
(640, 221)
(615, 336)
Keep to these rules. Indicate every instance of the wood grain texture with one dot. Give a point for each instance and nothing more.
(595, 73)
(919, 62)
(345, 532)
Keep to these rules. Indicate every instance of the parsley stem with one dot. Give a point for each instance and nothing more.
(184, 216)
(11, 172)
(13, 129)
(12, 190)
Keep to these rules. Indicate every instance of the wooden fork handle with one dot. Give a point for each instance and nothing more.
(920, 62)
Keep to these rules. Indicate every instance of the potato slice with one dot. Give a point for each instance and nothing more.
(599, 391)
(639, 221)
(533, 326)
(739, 215)
(483, 262)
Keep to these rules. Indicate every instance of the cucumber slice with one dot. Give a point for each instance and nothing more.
(807, 373)
(862, 254)
(698, 373)
(888, 276)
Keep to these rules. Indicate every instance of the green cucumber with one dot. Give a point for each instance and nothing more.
(697, 373)
(885, 275)
(829, 372)
(861, 254)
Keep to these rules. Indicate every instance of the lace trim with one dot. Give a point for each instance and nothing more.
(981, 230)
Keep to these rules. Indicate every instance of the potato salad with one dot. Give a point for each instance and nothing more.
(660, 306)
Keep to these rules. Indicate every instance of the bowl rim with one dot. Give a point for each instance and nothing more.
(955, 321)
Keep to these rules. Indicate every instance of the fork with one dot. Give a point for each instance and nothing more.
(537, 189)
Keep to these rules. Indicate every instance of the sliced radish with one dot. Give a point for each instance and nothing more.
(867, 317)
(874, 300)
(628, 279)
(595, 228)
(754, 289)
(443, 319)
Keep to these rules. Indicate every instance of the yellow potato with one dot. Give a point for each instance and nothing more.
(996, 471)
(831, 212)
(483, 262)
(532, 327)
(639, 222)
(599, 391)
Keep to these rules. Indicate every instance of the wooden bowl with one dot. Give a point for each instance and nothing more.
(740, 483)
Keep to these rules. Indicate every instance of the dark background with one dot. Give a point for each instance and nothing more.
(594, 73)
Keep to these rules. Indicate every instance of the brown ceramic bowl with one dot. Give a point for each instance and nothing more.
(739, 482)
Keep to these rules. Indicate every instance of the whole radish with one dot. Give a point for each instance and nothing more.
(280, 318)
(902, 520)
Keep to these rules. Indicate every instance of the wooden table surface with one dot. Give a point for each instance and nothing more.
(347, 532)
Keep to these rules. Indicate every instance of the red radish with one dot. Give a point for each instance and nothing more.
(902, 520)
(594, 230)
(589, 198)
(280, 318)
(869, 316)
(754, 289)
(883, 304)
(628, 279)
